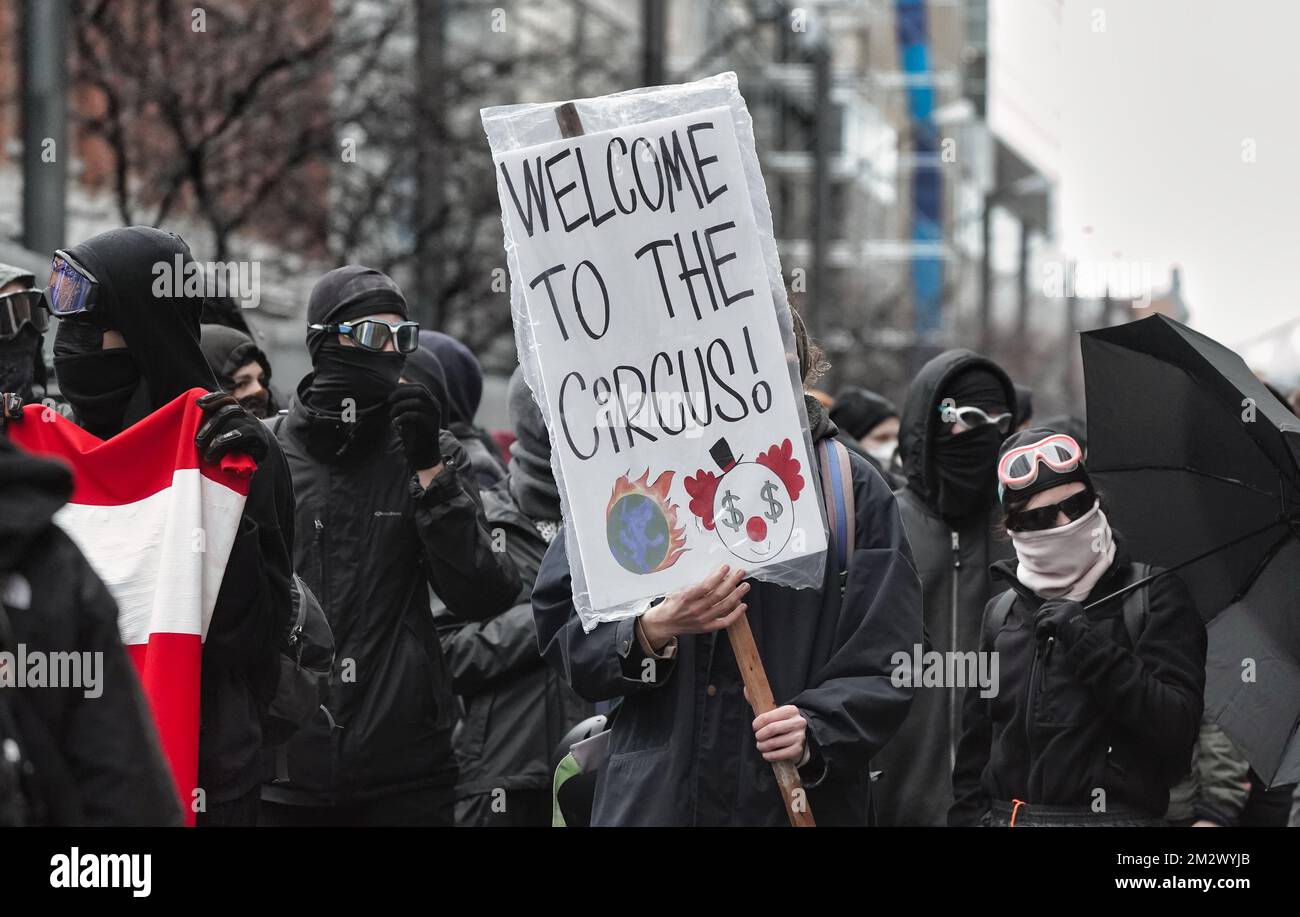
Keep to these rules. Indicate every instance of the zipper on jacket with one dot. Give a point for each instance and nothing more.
(954, 725)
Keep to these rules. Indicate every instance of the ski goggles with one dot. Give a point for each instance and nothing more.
(373, 334)
(1040, 518)
(72, 289)
(24, 307)
(1018, 468)
(972, 417)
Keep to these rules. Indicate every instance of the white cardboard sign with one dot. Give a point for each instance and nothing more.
(669, 394)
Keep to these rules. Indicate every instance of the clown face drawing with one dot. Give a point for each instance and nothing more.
(750, 505)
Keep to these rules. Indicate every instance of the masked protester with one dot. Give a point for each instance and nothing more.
(1097, 709)
(80, 755)
(390, 511)
(120, 353)
(241, 367)
(24, 318)
(868, 424)
(685, 747)
(464, 379)
(957, 412)
(516, 709)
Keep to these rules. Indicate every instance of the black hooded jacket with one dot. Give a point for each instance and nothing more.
(374, 545)
(682, 749)
(96, 760)
(952, 558)
(251, 615)
(1103, 714)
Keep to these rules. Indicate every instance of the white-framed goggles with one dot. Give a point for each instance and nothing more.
(1018, 468)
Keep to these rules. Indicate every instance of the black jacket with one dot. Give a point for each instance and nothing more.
(914, 786)
(516, 709)
(682, 749)
(372, 545)
(96, 760)
(1094, 715)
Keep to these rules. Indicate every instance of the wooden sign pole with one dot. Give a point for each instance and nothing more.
(739, 633)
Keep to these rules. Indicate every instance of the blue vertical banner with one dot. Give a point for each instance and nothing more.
(927, 182)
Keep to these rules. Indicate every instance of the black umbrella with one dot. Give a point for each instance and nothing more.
(1199, 465)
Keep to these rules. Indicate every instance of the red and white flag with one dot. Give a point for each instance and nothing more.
(157, 524)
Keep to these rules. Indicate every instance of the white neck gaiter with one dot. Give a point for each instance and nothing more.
(1066, 562)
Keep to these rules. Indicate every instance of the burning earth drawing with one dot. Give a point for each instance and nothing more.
(641, 524)
(751, 504)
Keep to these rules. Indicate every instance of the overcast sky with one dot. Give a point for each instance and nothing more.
(1155, 110)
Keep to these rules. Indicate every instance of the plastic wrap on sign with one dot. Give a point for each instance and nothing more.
(652, 325)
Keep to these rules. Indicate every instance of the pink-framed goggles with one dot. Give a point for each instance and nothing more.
(1018, 468)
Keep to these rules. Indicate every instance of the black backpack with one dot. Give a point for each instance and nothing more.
(306, 659)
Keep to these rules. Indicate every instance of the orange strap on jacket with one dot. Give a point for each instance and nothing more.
(1015, 809)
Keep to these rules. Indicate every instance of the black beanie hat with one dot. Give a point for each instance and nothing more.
(858, 411)
(1047, 477)
(350, 292)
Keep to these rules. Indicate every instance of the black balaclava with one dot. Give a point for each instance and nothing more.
(227, 350)
(966, 463)
(423, 367)
(341, 372)
(858, 411)
(112, 389)
(21, 362)
(531, 482)
(19, 357)
(463, 372)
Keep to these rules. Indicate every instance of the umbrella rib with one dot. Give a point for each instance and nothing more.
(1196, 471)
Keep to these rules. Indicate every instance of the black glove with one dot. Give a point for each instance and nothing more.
(417, 416)
(1062, 619)
(227, 428)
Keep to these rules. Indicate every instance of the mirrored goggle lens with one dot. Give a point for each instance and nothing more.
(375, 335)
(408, 337)
(69, 291)
(23, 308)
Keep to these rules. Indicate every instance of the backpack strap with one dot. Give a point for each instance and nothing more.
(1137, 605)
(996, 615)
(837, 492)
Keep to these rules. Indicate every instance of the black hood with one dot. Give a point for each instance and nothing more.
(227, 349)
(161, 331)
(31, 491)
(920, 416)
(463, 373)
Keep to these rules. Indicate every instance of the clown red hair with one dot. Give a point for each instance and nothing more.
(702, 489)
(783, 463)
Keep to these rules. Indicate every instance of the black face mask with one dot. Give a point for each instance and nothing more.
(966, 466)
(341, 373)
(18, 357)
(258, 405)
(99, 386)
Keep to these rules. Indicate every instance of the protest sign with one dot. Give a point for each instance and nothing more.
(654, 332)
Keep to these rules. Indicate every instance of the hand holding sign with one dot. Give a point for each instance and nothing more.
(710, 605)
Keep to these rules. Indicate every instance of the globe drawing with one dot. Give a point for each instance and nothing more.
(638, 533)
